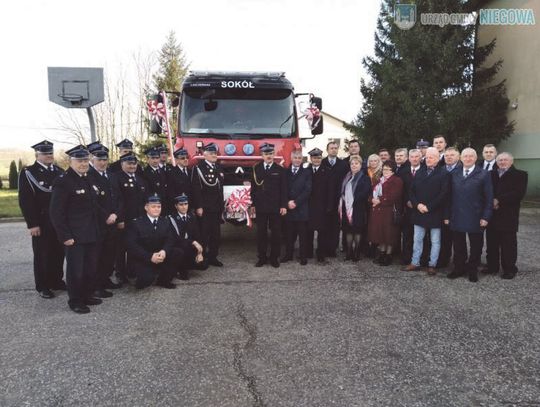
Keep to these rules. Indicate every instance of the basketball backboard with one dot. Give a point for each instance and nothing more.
(75, 87)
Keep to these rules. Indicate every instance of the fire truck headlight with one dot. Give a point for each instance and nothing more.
(230, 149)
(248, 149)
(199, 144)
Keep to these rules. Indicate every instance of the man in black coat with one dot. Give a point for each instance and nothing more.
(299, 189)
(74, 215)
(407, 175)
(439, 142)
(321, 204)
(509, 188)
(452, 164)
(187, 248)
(269, 197)
(164, 163)
(155, 176)
(108, 205)
(35, 187)
(338, 169)
(150, 242)
(207, 188)
(179, 180)
(131, 191)
(428, 195)
(124, 147)
(489, 158)
(402, 163)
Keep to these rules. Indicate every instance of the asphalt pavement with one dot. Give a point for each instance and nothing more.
(340, 334)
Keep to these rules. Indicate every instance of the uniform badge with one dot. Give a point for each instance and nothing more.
(41, 182)
(102, 192)
(125, 185)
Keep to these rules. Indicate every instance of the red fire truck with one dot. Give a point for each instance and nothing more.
(239, 111)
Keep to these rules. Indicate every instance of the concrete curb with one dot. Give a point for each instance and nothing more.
(11, 220)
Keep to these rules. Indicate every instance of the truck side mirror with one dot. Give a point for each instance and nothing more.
(318, 129)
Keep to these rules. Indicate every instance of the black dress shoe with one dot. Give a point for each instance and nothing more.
(79, 308)
(215, 262)
(473, 276)
(110, 285)
(274, 263)
(168, 285)
(508, 276)
(260, 263)
(61, 285)
(102, 294)
(285, 259)
(303, 262)
(92, 301)
(46, 293)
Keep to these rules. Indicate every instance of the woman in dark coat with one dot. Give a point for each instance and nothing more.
(387, 195)
(355, 190)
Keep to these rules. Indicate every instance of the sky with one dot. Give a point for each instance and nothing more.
(319, 44)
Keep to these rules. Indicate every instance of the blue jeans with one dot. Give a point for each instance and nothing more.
(419, 233)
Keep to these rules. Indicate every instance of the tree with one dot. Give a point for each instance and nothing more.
(13, 176)
(20, 165)
(173, 68)
(430, 80)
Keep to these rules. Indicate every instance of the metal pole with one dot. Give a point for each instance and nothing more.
(92, 124)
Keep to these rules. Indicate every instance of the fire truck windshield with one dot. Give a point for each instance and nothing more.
(233, 113)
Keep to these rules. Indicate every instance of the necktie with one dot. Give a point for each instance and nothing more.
(332, 162)
(466, 173)
(294, 170)
(104, 174)
(501, 173)
(51, 168)
(184, 171)
(413, 172)
(429, 170)
(448, 168)
(155, 224)
(183, 218)
(266, 167)
(314, 170)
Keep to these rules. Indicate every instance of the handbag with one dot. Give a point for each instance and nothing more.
(397, 215)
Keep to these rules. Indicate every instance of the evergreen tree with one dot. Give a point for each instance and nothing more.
(13, 176)
(173, 68)
(20, 165)
(430, 80)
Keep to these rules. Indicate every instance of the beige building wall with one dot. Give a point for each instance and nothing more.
(333, 130)
(519, 48)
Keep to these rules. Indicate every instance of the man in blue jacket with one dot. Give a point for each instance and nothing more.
(428, 194)
(468, 214)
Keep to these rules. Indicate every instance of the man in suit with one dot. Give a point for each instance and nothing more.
(509, 188)
(35, 187)
(402, 163)
(468, 214)
(439, 142)
(321, 204)
(149, 243)
(187, 248)
(384, 154)
(298, 191)
(154, 174)
(164, 159)
(208, 200)
(74, 215)
(428, 194)
(179, 180)
(131, 191)
(489, 154)
(108, 213)
(338, 169)
(124, 147)
(407, 229)
(269, 197)
(452, 164)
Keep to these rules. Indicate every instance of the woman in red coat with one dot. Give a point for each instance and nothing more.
(382, 230)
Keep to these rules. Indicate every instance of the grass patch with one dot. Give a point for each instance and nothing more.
(9, 204)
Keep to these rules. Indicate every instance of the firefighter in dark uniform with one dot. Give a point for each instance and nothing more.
(149, 242)
(131, 191)
(179, 180)
(153, 174)
(124, 147)
(74, 215)
(108, 211)
(269, 197)
(208, 201)
(35, 182)
(187, 246)
(163, 159)
(321, 204)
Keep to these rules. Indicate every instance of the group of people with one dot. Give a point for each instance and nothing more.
(157, 223)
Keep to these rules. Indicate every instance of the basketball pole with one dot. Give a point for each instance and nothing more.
(93, 137)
